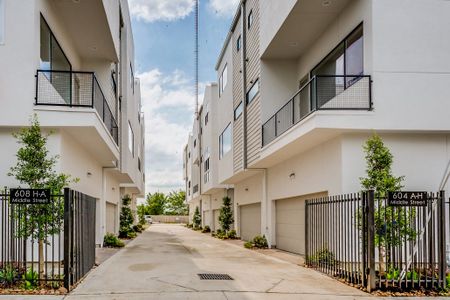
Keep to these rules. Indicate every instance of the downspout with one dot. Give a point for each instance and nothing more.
(244, 81)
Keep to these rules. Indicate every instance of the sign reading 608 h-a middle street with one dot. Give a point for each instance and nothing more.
(407, 198)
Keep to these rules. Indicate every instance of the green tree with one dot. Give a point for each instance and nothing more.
(155, 203)
(197, 218)
(226, 215)
(391, 225)
(126, 218)
(176, 204)
(35, 169)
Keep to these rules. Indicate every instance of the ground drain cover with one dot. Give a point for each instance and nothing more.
(209, 276)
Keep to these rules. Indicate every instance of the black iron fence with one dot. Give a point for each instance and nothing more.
(322, 92)
(365, 241)
(47, 244)
(77, 89)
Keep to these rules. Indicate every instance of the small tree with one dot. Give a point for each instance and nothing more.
(197, 218)
(141, 212)
(35, 169)
(126, 218)
(391, 226)
(226, 215)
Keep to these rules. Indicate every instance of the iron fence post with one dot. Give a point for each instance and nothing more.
(67, 233)
(371, 240)
(442, 246)
(306, 233)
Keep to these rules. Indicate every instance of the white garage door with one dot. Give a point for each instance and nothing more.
(290, 223)
(111, 213)
(250, 220)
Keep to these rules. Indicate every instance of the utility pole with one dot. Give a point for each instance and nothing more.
(196, 59)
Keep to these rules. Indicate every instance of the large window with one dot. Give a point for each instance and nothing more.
(223, 80)
(345, 60)
(2, 22)
(225, 141)
(130, 138)
(238, 44)
(52, 58)
(251, 94)
(345, 65)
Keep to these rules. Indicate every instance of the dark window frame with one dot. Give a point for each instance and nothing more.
(241, 106)
(50, 47)
(342, 43)
(249, 90)
(238, 43)
(221, 152)
(250, 19)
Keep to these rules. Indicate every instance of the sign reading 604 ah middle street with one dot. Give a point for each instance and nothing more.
(407, 198)
(30, 196)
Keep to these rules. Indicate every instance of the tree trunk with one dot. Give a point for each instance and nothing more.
(41, 259)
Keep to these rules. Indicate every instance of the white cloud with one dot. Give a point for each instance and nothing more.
(160, 10)
(223, 8)
(168, 103)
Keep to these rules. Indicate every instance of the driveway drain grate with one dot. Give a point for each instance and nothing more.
(209, 276)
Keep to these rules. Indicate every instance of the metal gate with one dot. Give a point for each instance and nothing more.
(53, 242)
(364, 241)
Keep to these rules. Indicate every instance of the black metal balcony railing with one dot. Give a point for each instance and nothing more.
(75, 89)
(322, 92)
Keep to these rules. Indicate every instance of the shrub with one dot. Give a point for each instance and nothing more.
(30, 279)
(206, 229)
(189, 225)
(220, 234)
(111, 240)
(226, 214)
(232, 234)
(8, 275)
(260, 242)
(197, 219)
(325, 257)
(248, 245)
(138, 228)
(126, 219)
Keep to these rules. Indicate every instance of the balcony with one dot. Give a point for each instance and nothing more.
(76, 89)
(322, 92)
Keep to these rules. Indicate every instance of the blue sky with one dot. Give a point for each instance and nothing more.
(164, 45)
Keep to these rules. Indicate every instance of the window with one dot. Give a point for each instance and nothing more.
(195, 143)
(223, 80)
(250, 19)
(225, 141)
(206, 118)
(238, 43)
(238, 110)
(131, 78)
(2, 22)
(345, 60)
(130, 138)
(53, 58)
(253, 92)
(206, 170)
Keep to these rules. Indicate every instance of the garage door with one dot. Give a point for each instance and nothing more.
(290, 223)
(250, 220)
(111, 217)
(216, 213)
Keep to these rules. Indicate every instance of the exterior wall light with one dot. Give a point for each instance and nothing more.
(292, 176)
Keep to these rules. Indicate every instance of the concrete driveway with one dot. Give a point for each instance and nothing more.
(164, 261)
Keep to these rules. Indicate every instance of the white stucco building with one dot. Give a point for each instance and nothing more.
(307, 83)
(72, 64)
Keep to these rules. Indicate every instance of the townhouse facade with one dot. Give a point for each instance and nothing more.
(308, 82)
(71, 63)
